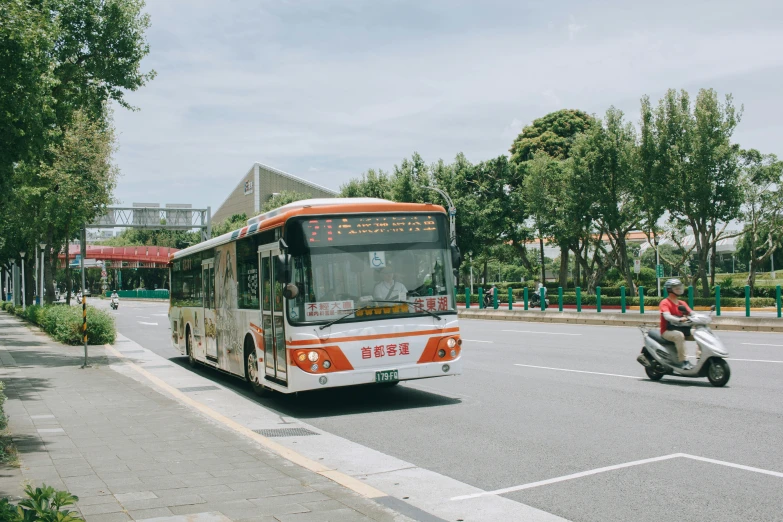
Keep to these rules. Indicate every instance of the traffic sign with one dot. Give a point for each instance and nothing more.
(659, 271)
(637, 265)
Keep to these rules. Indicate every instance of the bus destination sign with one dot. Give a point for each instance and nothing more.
(365, 230)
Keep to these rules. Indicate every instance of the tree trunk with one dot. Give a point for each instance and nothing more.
(2, 282)
(577, 266)
(713, 253)
(484, 274)
(752, 274)
(48, 272)
(543, 264)
(622, 258)
(564, 266)
(29, 283)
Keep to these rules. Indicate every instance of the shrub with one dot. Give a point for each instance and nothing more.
(43, 504)
(64, 323)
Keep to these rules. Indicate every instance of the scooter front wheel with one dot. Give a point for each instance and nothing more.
(719, 372)
(652, 374)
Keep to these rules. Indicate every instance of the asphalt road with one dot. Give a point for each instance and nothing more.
(540, 403)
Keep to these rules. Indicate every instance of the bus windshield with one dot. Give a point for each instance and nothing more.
(398, 265)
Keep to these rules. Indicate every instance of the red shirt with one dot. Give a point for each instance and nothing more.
(668, 306)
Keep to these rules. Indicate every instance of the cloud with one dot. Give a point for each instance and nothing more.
(574, 28)
(351, 86)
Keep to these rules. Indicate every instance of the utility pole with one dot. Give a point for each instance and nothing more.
(43, 250)
(84, 295)
(24, 304)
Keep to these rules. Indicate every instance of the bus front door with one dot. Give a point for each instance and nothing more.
(210, 314)
(272, 320)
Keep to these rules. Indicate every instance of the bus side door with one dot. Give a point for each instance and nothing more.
(272, 319)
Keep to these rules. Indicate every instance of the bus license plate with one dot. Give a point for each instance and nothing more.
(387, 376)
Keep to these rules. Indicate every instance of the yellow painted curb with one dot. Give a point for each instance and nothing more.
(341, 478)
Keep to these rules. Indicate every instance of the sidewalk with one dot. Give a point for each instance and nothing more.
(131, 452)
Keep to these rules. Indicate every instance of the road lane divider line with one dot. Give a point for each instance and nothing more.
(579, 371)
(569, 477)
(542, 333)
(341, 478)
(477, 341)
(148, 324)
(616, 467)
(760, 344)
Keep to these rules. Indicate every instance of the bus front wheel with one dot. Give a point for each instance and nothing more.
(251, 368)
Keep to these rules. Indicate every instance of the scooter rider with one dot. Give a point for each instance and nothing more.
(672, 319)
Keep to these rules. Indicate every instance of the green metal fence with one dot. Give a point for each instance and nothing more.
(142, 294)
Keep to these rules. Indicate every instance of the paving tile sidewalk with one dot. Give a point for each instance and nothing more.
(131, 453)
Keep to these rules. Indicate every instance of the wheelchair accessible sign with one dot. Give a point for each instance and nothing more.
(378, 259)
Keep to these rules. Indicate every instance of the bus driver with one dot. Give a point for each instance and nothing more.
(389, 289)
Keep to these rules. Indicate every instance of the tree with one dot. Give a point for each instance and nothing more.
(26, 42)
(553, 134)
(63, 61)
(606, 168)
(704, 181)
(84, 177)
(543, 187)
(762, 181)
(283, 198)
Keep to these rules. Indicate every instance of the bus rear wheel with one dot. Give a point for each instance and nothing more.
(189, 347)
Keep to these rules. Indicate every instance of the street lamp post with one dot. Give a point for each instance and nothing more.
(452, 213)
(43, 249)
(24, 305)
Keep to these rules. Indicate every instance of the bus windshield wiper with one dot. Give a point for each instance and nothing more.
(417, 305)
(353, 311)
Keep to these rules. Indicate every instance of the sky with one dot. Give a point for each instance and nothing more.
(327, 89)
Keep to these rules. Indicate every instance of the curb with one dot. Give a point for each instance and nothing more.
(748, 324)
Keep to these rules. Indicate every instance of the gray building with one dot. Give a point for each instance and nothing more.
(259, 184)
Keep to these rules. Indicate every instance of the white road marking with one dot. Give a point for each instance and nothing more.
(579, 371)
(160, 315)
(732, 465)
(759, 344)
(755, 360)
(743, 360)
(143, 316)
(542, 333)
(477, 341)
(568, 477)
(149, 324)
(615, 467)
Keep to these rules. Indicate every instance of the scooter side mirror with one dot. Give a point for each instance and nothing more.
(712, 308)
(682, 309)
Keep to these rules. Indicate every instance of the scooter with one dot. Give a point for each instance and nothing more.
(535, 301)
(115, 303)
(659, 356)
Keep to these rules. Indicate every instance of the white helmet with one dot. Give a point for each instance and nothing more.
(674, 286)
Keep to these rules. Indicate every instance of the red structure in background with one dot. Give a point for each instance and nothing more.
(134, 256)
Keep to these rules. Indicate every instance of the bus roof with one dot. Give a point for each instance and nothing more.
(278, 216)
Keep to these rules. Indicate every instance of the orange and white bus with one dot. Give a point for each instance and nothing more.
(322, 293)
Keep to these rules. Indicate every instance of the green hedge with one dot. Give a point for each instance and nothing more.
(144, 294)
(64, 323)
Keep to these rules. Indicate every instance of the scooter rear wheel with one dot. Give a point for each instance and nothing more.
(719, 372)
(652, 374)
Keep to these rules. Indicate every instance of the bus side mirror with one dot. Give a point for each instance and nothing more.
(283, 268)
(290, 291)
(456, 256)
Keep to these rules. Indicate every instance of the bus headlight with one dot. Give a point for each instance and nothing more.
(313, 356)
(327, 365)
(451, 343)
